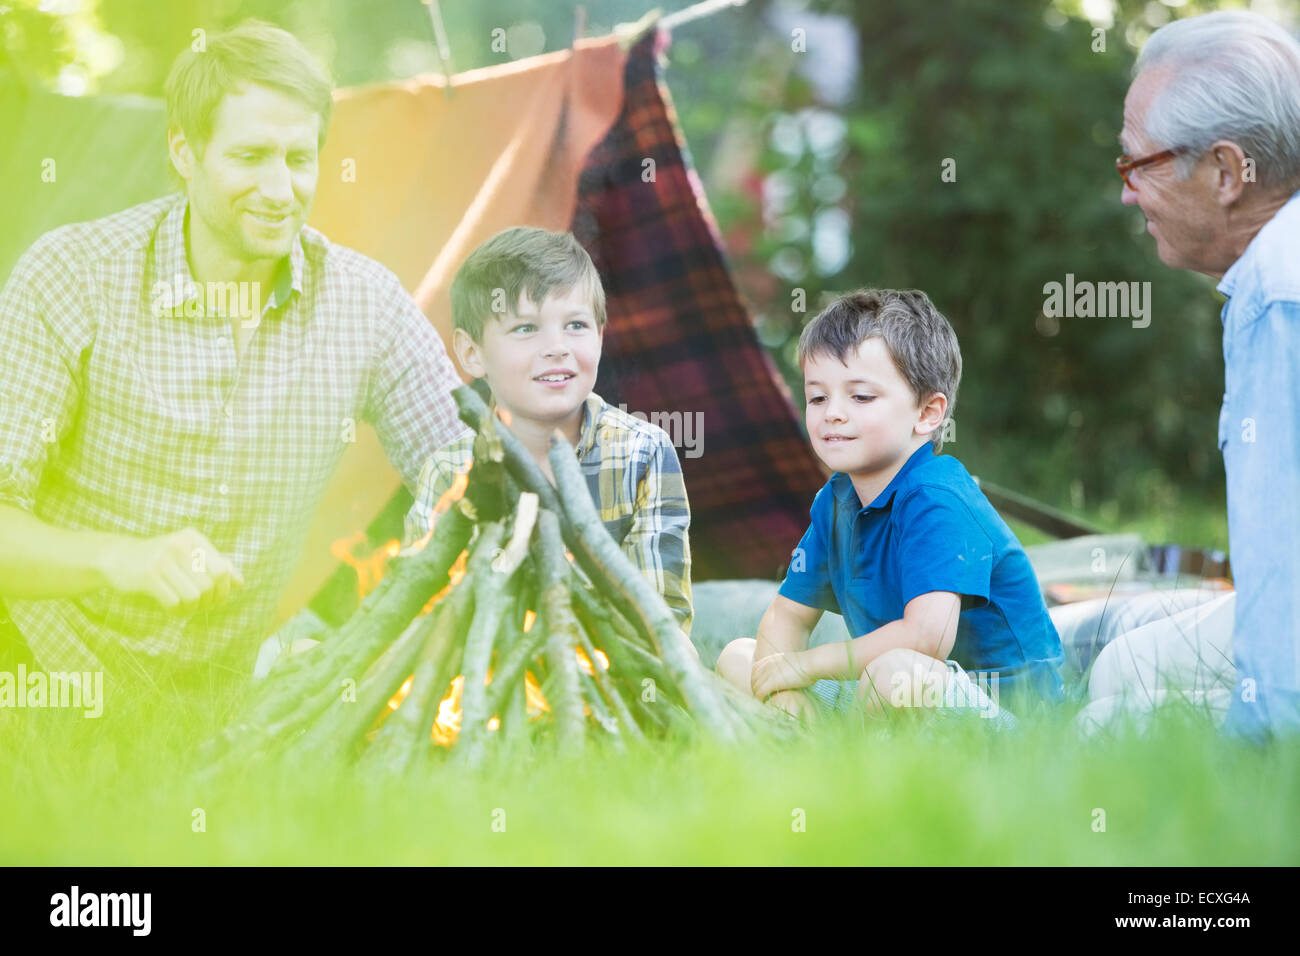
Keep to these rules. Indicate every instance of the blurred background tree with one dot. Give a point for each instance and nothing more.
(822, 130)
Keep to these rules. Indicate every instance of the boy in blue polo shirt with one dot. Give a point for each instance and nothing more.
(902, 541)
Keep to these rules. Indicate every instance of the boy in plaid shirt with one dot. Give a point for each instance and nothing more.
(528, 315)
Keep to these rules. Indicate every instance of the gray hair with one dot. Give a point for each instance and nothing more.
(1235, 76)
(919, 339)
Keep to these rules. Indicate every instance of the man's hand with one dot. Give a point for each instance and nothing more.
(778, 672)
(796, 703)
(183, 572)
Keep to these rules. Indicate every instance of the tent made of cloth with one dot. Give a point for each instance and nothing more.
(416, 176)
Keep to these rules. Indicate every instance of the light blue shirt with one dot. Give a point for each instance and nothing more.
(1259, 435)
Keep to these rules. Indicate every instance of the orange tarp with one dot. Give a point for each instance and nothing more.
(416, 177)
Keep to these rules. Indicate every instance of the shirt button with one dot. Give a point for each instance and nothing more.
(229, 412)
(224, 489)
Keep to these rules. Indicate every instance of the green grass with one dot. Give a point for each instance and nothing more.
(122, 790)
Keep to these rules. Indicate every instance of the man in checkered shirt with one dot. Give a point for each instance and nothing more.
(178, 382)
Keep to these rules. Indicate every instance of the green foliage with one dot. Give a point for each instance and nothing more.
(36, 42)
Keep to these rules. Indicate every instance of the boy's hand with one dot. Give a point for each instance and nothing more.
(795, 703)
(778, 672)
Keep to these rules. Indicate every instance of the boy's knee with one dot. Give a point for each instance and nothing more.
(899, 673)
(736, 661)
(740, 647)
(897, 660)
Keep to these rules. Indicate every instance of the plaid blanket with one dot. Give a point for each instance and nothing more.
(680, 347)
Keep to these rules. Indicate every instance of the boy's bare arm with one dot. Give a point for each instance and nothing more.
(928, 626)
(782, 634)
(785, 627)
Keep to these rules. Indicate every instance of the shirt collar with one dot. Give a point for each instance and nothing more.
(842, 485)
(591, 413)
(1228, 284)
(170, 261)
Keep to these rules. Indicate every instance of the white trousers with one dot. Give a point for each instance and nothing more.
(1173, 646)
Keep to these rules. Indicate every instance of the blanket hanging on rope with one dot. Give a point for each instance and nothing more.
(680, 340)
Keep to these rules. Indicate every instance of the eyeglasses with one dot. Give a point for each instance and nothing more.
(1126, 164)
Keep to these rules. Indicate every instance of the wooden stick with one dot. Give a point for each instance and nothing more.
(515, 720)
(519, 464)
(299, 696)
(406, 732)
(340, 729)
(601, 712)
(601, 616)
(491, 600)
(621, 581)
(508, 696)
(706, 8)
(608, 690)
(440, 44)
(512, 665)
(562, 628)
(488, 492)
(517, 549)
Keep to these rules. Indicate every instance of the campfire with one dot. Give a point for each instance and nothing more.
(518, 618)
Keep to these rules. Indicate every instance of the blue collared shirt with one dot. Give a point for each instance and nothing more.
(1259, 435)
(930, 529)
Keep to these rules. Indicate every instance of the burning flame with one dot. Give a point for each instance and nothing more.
(370, 568)
(446, 726)
(584, 662)
(401, 693)
(454, 575)
(448, 498)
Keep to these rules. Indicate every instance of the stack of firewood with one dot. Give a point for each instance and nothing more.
(520, 605)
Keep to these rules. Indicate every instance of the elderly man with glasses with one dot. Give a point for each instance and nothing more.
(1213, 119)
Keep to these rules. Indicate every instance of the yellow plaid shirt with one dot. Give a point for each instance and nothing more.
(635, 480)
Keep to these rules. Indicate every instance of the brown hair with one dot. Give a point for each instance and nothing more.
(254, 52)
(517, 261)
(919, 339)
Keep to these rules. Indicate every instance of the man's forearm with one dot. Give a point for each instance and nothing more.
(38, 560)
